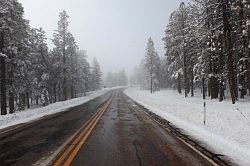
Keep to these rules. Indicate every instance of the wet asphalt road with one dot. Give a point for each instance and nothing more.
(36, 141)
(128, 137)
(123, 137)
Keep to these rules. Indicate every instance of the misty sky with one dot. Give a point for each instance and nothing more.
(113, 31)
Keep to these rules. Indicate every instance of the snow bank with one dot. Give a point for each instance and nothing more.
(32, 114)
(227, 130)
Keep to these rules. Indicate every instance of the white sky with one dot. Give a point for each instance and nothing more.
(113, 31)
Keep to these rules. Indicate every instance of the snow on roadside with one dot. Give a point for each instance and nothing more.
(227, 130)
(32, 114)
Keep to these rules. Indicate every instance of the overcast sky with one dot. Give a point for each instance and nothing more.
(113, 31)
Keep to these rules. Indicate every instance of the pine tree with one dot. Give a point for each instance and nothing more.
(40, 76)
(144, 75)
(83, 73)
(60, 42)
(247, 17)
(172, 44)
(179, 37)
(12, 35)
(151, 59)
(72, 64)
(96, 75)
(3, 83)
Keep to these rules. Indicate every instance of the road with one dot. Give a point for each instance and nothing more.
(122, 135)
(36, 141)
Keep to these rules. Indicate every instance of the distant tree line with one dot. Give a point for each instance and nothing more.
(207, 45)
(114, 79)
(31, 72)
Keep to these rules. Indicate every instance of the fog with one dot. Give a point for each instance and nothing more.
(113, 31)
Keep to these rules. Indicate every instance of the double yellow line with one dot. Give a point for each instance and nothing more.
(69, 154)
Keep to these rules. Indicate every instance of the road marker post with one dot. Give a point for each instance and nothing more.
(205, 111)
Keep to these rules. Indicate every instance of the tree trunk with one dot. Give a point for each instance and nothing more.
(184, 54)
(2, 74)
(185, 79)
(22, 101)
(209, 88)
(72, 91)
(11, 92)
(214, 88)
(37, 100)
(86, 89)
(59, 97)
(55, 93)
(31, 99)
(228, 48)
(27, 99)
(243, 51)
(11, 102)
(64, 65)
(221, 89)
(203, 88)
(192, 83)
(75, 93)
(50, 95)
(151, 80)
(179, 84)
(64, 86)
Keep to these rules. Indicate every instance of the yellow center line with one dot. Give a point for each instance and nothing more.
(71, 146)
(73, 149)
(73, 154)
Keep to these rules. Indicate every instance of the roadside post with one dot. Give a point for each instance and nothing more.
(204, 120)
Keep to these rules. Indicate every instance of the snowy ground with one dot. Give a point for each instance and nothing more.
(227, 130)
(32, 114)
